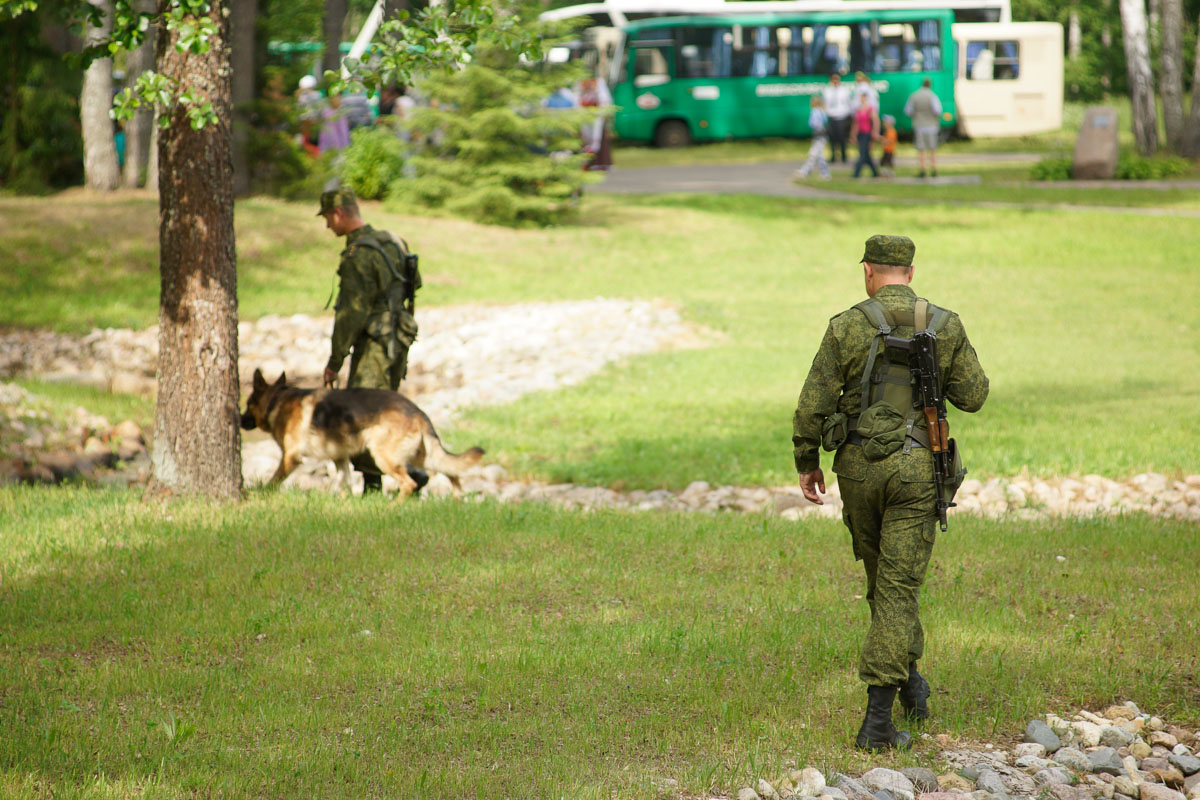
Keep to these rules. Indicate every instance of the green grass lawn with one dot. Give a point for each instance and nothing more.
(300, 645)
(1084, 321)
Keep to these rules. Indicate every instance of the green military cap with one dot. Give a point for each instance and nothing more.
(894, 251)
(337, 198)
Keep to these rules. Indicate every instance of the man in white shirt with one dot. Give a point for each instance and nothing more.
(839, 106)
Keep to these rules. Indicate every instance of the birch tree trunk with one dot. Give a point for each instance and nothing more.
(1190, 146)
(242, 57)
(100, 168)
(197, 442)
(1171, 77)
(137, 129)
(1141, 80)
(1074, 35)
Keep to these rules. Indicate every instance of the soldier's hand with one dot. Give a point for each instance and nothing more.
(809, 480)
(330, 378)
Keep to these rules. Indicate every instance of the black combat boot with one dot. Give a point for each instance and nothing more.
(914, 694)
(420, 477)
(372, 482)
(877, 731)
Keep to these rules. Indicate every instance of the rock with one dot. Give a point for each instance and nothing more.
(1114, 737)
(1154, 791)
(1038, 732)
(1125, 786)
(852, 788)
(951, 781)
(1187, 764)
(766, 791)
(1032, 762)
(1131, 769)
(989, 780)
(1096, 149)
(832, 793)
(1071, 758)
(128, 431)
(746, 793)
(884, 794)
(1154, 762)
(1191, 784)
(1051, 776)
(1171, 776)
(1155, 724)
(810, 782)
(1063, 791)
(1106, 760)
(940, 796)
(889, 780)
(1120, 712)
(1133, 726)
(1029, 749)
(1184, 736)
(1139, 749)
(971, 771)
(923, 780)
(439, 486)
(1088, 733)
(1161, 739)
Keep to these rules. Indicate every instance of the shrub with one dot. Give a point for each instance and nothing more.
(374, 159)
(1052, 169)
(1133, 167)
(488, 150)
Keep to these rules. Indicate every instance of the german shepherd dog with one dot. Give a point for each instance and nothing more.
(339, 424)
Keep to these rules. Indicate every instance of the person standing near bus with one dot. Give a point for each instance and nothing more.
(925, 110)
(818, 123)
(866, 129)
(838, 105)
(862, 86)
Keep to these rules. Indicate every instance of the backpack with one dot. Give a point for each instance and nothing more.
(399, 328)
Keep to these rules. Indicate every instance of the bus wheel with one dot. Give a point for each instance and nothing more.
(672, 133)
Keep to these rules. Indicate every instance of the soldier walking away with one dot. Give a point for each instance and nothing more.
(374, 320)
(875, 395)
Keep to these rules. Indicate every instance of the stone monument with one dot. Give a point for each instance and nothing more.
(1096, 148)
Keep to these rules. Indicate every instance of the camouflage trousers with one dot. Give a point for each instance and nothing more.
(888, 505)
(370, 368)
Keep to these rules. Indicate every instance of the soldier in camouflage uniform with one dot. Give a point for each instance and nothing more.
(888, 493)
(363, 326)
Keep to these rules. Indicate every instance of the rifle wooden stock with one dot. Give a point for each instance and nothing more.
(939, 431)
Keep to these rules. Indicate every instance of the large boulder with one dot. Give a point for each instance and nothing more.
(1096, 149)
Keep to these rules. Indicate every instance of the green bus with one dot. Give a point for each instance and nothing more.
(676, 80)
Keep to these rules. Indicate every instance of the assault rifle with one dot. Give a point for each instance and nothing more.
(923, 361)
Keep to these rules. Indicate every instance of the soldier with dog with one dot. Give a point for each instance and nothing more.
(374, 323)
(870, 399)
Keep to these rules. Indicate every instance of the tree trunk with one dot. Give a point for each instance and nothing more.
(1190, 146)
(197, 442)
(1171, 85)
(242, 31)
(1141, 80)
(152, 163)
(335, 20)
(1074, 35)
(100, 168)
(137, 129)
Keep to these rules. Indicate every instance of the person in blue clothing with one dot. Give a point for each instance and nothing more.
(818, 123)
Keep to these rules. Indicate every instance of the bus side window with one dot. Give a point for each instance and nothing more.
(650, 67)
(987, 61)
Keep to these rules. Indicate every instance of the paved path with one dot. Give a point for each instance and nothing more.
(775, 179)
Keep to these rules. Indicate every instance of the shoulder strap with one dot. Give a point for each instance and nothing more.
(378, 248)
(882, 320)
(920, 314)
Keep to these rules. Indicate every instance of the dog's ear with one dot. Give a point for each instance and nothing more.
(282, 379)
(259, 381)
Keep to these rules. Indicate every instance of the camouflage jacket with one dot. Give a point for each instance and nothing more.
(364, 278)
(833, 382)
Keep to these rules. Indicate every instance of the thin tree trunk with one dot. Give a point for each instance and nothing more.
(1171, 85)
(335, 20)
(152, 163)
(100, 168)
(242, 32)
(1190, 146)
(1141, 80)
(197, 442)
(137, 129)
(1074, 35)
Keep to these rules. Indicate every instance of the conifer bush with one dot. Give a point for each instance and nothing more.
(487, 150)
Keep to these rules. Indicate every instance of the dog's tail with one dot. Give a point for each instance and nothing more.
(439, 459)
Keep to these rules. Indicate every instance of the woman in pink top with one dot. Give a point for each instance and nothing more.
(866, 128)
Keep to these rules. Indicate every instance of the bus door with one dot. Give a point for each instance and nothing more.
(1009, 78)
(651, 75)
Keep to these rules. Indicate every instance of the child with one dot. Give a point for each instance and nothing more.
(818, 122)
(890, 137)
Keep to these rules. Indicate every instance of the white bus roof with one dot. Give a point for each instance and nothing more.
(619, 11)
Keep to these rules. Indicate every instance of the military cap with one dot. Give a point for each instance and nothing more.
(337, 198)
(894, 251)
